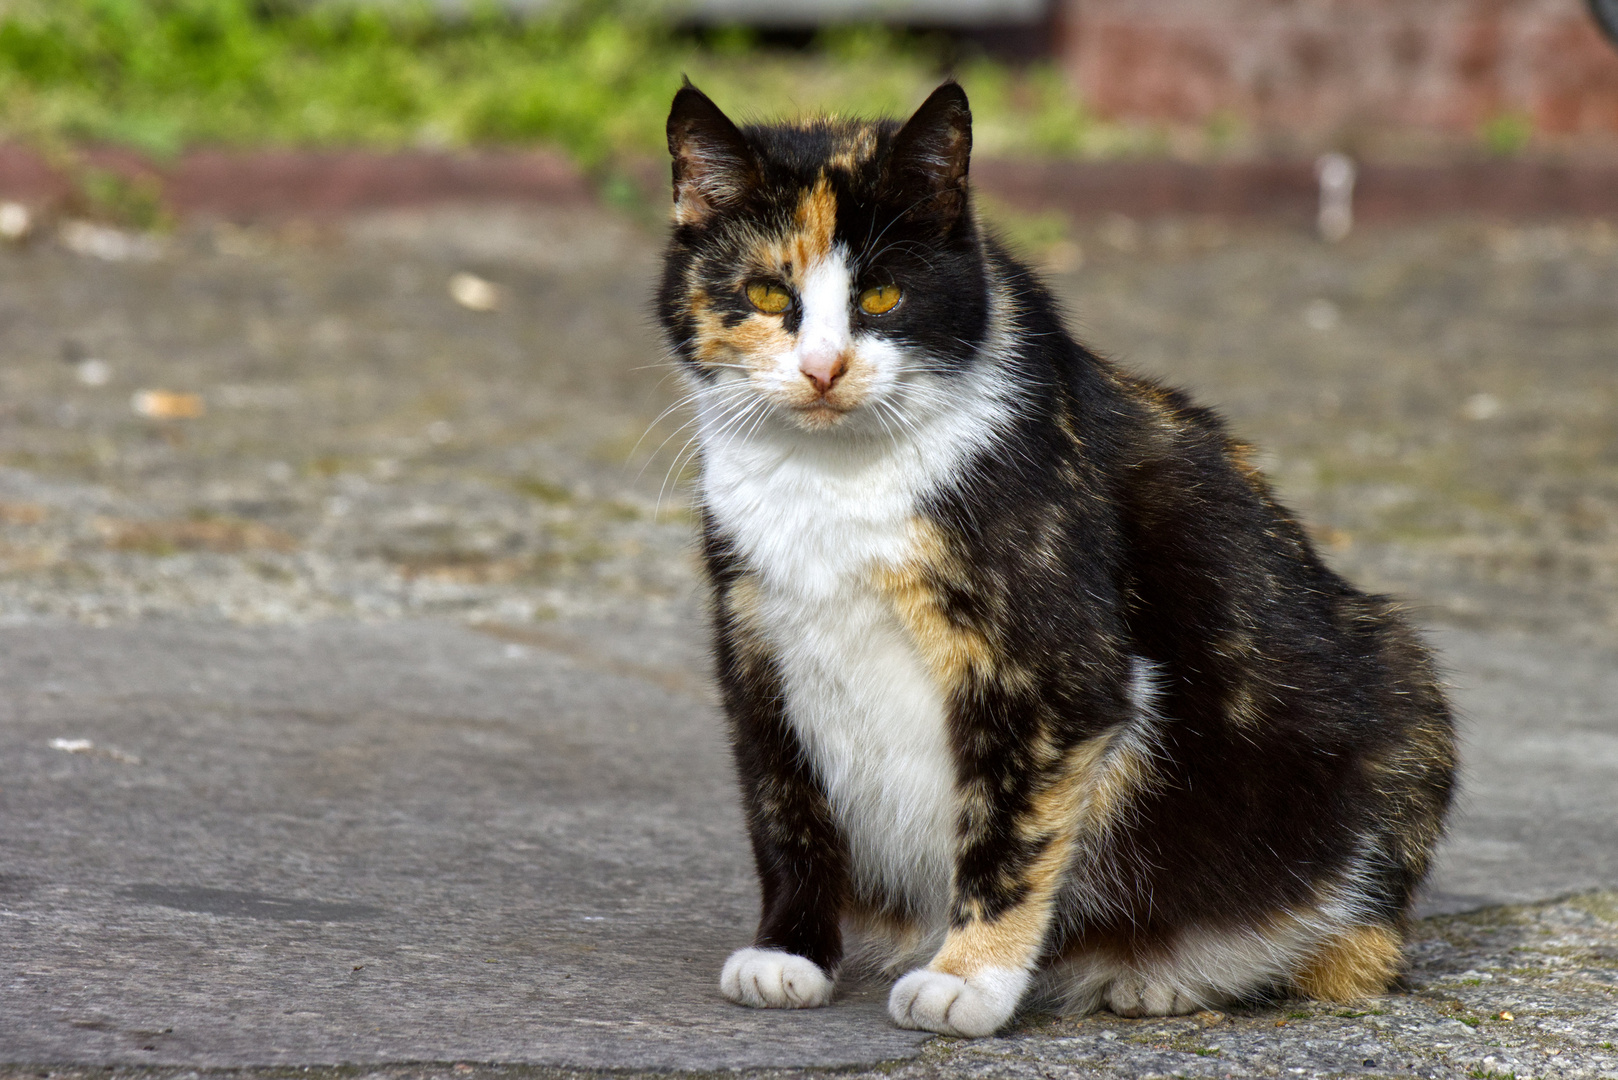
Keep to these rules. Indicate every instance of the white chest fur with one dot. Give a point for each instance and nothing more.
(867, 711)
(814, 522)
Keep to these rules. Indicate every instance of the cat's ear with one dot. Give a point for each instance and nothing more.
(928, 158)
(713, 165)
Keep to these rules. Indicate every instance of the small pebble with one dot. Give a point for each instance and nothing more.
(474, 293)
(93, 372)
(15, 221)
(167, 405)
(1481, 407)
(1322, 315)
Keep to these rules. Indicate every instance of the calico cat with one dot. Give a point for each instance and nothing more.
(1031, 680)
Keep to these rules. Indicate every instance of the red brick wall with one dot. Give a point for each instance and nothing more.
(1329, 67)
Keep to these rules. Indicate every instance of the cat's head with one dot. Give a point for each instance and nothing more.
(827, 274)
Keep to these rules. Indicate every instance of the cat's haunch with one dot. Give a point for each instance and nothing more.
(1033, 685)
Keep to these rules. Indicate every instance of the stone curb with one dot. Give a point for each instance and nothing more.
(269, 184)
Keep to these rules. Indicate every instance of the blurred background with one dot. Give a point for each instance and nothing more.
(331, 310)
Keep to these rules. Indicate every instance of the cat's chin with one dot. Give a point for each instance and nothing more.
(819, 416)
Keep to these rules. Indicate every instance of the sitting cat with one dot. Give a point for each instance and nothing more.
(1030, 678)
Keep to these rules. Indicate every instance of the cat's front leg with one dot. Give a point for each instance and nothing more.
(975, 1005)
(793, 960)
(975, 982)
(1018, 835)
(800, 856)
(775, 979)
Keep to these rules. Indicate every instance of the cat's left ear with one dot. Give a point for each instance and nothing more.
(928, 158)
(713, 165)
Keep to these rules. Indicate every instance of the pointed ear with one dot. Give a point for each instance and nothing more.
(928, 158)
(713, 165)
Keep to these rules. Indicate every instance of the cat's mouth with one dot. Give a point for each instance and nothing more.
(820, 415)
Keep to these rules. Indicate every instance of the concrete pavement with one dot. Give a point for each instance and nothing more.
(415, 841)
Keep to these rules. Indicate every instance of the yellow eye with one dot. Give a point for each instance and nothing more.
(879, 300)
(770, 299)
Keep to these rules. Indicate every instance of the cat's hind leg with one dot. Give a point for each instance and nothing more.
(1080, 984)
(1207, 969)
(1357, 962)
(1135, 993)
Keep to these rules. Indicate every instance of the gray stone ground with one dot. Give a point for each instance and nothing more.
(363, 718)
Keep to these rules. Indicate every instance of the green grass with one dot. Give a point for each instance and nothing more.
(592, 76)
(1507, 134)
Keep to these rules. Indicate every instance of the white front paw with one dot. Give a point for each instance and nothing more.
(950, 1005)
(773, 979)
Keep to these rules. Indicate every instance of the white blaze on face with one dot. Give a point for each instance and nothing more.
(824, 335)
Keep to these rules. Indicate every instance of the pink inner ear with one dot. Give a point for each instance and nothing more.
(713, 163)
(705, 176)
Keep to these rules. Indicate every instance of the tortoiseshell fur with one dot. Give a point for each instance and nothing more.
(1031, 679)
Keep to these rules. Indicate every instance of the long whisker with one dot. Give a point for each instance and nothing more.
(730, 412)
(688, 398)
(904, 422)
(734, 391)
(900, 217)
(893, 436)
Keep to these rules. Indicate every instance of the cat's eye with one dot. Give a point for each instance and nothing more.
(768, 298)
(879, 299)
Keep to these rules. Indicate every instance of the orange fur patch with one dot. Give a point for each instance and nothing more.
(955, 653)
(1361, 961)
(1089, 790)
(814, 225)
(854, 150)
(1011, 941)
(753, 341)
(1096, 782)
(1243, 710)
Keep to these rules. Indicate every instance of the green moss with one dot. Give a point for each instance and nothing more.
(1603, 905)
(1507, 133)
(112, 196)
(543, 490)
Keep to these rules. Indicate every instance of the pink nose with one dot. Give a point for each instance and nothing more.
(823, 369)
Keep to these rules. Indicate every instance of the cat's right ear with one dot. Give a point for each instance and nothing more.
(929, 157)
(713, 165)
